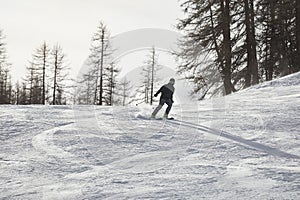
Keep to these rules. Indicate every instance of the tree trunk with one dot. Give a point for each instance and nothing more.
(17, 94)
(227, 46)
(252, 65)
(255, 76)
(55, 75)
(96, 84)
(111, 85)
(31, 86)
(298, 34)
(152, 76)
(229, 87)
(124, 93)
(248, 44)
(283, 62)
(1, 86)
(272, 58)
(44, 74)
(101, 68)
(266, 64)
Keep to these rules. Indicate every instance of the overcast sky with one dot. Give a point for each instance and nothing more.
(71, 23)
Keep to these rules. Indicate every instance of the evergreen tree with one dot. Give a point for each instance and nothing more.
(86, 88)
(4, 72)
(110, 78)
(99, 57)
(98, 82)
(207, 32)
(297, 56)
(149, 77)
(23, 98)
(37, 71)
(41, 61)
(125, 89)
(246, 41)
(31, 76)
(278, 38)
(252, 64)
(17, 94)
(59, 74)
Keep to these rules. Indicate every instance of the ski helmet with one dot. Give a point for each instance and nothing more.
(172, 81)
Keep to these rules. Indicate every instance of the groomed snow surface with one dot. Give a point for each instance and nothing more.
(242, 146)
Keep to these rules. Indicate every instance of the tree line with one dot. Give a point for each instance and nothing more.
(100, 84)
(228, 45)
(45, 81)
(245, 41)
(97, 85)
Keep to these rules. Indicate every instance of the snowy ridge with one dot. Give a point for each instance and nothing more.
(242, 146)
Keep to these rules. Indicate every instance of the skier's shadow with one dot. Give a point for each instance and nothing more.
(240, 140)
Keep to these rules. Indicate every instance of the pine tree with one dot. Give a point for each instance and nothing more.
(149, 74)
(9, 91)
(38, 69)
(59, 74)
(17, 93)
(23, 99)
(297, 63)
(110, 82)
(4, 72)
(252, 64)
(86, 89)
(36, 92)
(152, 64)
(278, 38)
(207, 32)
(41, 61)
(99, 57)
(247, 41)
(125, 89)
(32, 74)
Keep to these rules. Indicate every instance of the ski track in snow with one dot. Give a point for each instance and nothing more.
(240, 140)
(215, 150)
(44, 142)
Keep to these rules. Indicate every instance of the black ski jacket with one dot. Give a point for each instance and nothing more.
(166, 92)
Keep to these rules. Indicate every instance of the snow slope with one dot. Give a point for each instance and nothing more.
(243, 146)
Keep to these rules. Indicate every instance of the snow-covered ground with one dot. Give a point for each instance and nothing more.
(242, 146)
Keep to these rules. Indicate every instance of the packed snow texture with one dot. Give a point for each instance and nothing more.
(242, 146)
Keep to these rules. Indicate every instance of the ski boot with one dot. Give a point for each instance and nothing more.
(165, 116)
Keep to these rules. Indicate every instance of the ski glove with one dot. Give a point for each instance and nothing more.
(156, 95)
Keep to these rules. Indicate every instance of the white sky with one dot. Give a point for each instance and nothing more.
(71, 23)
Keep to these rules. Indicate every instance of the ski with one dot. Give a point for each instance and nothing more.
(150, 118)
(169, 118)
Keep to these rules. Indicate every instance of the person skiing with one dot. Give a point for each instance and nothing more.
(166, 91)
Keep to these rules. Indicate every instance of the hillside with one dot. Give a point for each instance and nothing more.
(242, 146)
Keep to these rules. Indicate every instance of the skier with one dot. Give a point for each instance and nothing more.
(166, 91)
